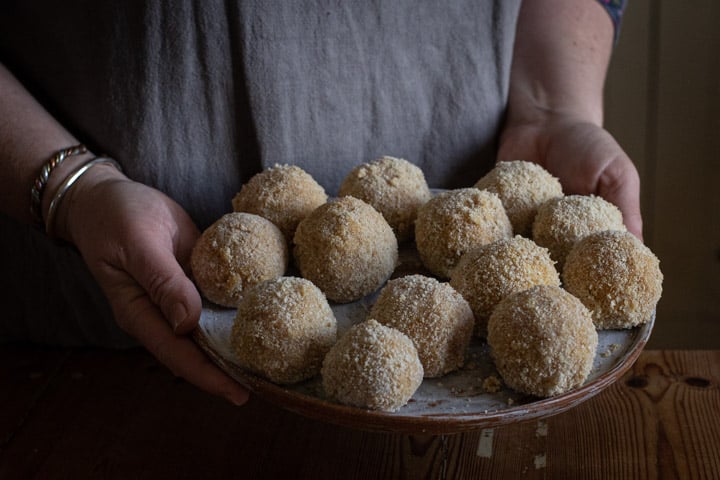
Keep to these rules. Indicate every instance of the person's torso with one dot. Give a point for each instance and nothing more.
(195, 97)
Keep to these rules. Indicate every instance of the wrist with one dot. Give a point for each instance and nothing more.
(74, 191)
(56, 177)
(535, 106)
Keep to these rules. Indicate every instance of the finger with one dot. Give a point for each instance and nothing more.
(632, 218)
(158, 273)
(184, 358)
(620, 184)
(180, 354)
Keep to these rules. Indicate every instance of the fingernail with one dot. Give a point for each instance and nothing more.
(237, 399)
(178, 315)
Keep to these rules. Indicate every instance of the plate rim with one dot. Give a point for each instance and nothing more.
(394, 422)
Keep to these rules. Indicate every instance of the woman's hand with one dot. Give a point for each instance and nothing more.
(584, 156)
(555, 105)
(136, 241)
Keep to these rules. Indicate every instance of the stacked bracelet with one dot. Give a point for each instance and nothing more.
(67, 185)
(41, 181)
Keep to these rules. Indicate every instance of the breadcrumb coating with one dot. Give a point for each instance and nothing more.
(543, 341)
(561, 222)
(394, 187)
(455, 222)
(437, 319)
(346, 248)
(488, 274)
(372, 366)
(283, 330)
(284, 194)
(238, 251)
(616, 277)
(522, 187)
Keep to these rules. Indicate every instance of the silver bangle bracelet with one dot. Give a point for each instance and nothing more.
(67, 185)
(40, 182)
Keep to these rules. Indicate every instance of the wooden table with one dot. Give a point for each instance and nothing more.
(68, 413)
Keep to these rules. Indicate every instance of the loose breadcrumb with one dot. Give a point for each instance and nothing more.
(610, 350)
(492, 384)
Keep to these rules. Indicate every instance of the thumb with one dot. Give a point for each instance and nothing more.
(159, 274)
(620, 184)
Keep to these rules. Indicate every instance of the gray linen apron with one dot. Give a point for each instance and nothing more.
(193, 98)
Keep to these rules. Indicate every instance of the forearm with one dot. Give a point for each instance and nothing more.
(29, 136)
(562, 50)
(555, 109)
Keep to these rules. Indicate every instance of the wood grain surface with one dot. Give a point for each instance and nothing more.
(103, 414)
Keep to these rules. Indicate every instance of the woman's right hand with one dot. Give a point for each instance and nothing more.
(137, 242)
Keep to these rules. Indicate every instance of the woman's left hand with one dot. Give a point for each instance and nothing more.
(584, 156)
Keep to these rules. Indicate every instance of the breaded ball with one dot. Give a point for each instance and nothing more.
(346, 248)
(543, 341)
(372, 366)
(284, 194)
(522, 187)
(616, 277)
(238, 251)
(283, 330)
(437, 319)
(488, 274)
(394, 187)
(561, 222)
(455, 222)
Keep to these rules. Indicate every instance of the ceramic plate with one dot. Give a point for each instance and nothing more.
(454, 403)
